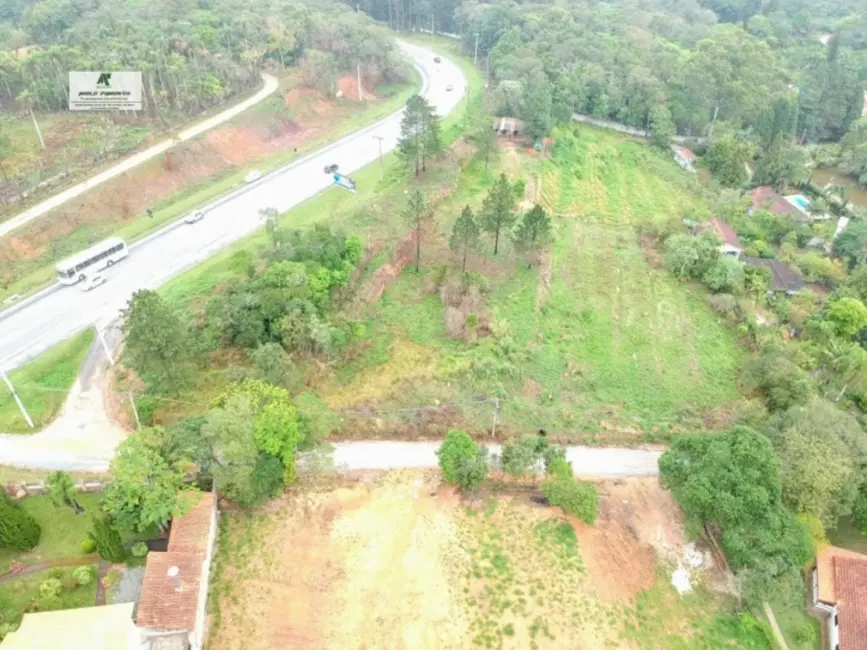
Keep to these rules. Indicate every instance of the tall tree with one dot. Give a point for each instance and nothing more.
(417, 216)
(18, 530)
(498, 209)
(105, 536)
(158, 345)
(662, 128)
(465, 235)
(485, 139)
(145, 486)
(62, 489)
(419, 133)
(532, 232)
(727, 157)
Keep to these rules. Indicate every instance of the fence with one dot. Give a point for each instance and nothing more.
(21, 490)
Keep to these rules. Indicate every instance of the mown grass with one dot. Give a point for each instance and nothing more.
(800, 630)
(43, 384)
(21, 595)
(39, 272)
(62, 529)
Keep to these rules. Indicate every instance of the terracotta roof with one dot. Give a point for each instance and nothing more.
(825, 566)
(783, 276)
(189, 533)
(162, 606)
(726, 233)
(687, 154)
(850, 576)
(765, 198)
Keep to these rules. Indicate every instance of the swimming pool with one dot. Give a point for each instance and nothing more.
(801, 201)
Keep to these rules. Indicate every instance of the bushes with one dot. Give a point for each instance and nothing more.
(139, 549)
(107, 540)
(87, 546)
(18, 530)
(50, 588)
(577, 498)
(462, 461)
(83, 575)
(726, 275)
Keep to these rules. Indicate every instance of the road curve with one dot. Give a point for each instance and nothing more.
(54, 315)
(588, 462)
(137, 159)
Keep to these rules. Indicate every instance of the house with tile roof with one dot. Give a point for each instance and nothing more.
(171, 610)
(731, 243)
(840, 596)
(685, 157)
(784, 279)
(765, 198)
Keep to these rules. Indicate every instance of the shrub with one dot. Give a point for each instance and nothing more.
(725, 275)
(87, 546)
(139, 549)
(18, 530)
(107, 540)
(576, 497)
(50, 588)
(472, 471)
(83, 575)
(457, 447)
(724, 303)
(519, 456)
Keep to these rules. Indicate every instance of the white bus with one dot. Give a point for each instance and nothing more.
(105, 253)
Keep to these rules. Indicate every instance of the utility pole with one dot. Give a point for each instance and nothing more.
(381, 168)
(496, 415)
(476, 51)
(134, 410)
(101, 335)
(17, 399)
(358, 68)
(36, 126)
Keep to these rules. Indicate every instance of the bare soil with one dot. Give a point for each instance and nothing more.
(398, 561)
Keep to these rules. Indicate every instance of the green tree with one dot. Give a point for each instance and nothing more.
(498, 209)
(157, 344)
(109, 544)
(417, 215)
(661, 127)
(144, 488)
(457, 450)
(577, 498)
(62, 489)
(484, 137)
(783, 163)
(690, 257)
(779, 380)
(83, 575)
(228, 430)
(532, 231)
(519, 455)
(726, 275)
(272, 364)
(465, 235)
(419, 133)
(727, 157)
(847, 315)
(18, 530)
(473, 470)
(851, 244)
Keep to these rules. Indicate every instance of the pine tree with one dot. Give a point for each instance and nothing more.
(498, 209)
(18, 530)
(533, 231)
(419, 133)
(465, 235)
(109, 545)
(417, 215)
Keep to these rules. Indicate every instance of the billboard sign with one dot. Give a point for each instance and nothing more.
(105, 91)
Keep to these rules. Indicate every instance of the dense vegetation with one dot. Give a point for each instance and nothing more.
(192, 55)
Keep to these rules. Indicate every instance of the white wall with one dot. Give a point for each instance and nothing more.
(197, 636)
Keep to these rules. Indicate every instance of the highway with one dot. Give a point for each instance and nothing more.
(57, 313)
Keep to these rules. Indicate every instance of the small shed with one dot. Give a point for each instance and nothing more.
(510, 126)
(685, 157)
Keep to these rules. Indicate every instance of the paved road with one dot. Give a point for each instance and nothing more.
(56, 314)
(588, 462)
(133, 161)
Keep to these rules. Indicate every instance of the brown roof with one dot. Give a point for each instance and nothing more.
(825, 567)
(725, 232)
(162, 606)
(765, 198)
(189, 532)
(783, 276)
(850, 576)
(687, 154)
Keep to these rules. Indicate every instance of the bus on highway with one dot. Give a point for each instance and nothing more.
(105, 253)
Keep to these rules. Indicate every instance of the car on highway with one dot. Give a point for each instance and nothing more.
(253, 176)
(331, 169)
(92, 282)
(437, 59)
(193, 217)
(450, 88)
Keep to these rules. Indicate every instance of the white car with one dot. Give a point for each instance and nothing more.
(253, 176)
(93, 282)
(193, 217)
(450, 88)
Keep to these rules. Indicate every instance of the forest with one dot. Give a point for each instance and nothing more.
(193, 54)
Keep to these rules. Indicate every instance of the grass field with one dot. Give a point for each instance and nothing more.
(43, 384)
(21, 595)
(435, 571)
(27, 273)
(62, 529)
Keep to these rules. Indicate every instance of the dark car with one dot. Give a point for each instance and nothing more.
(437, 59)
(331, 169)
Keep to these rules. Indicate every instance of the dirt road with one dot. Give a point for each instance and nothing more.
(39, 209)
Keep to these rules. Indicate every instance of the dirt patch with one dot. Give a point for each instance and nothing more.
(651, 253)
(546, 271)
(348, 85)
(357, 567)
(464, 309)
(638, 523)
